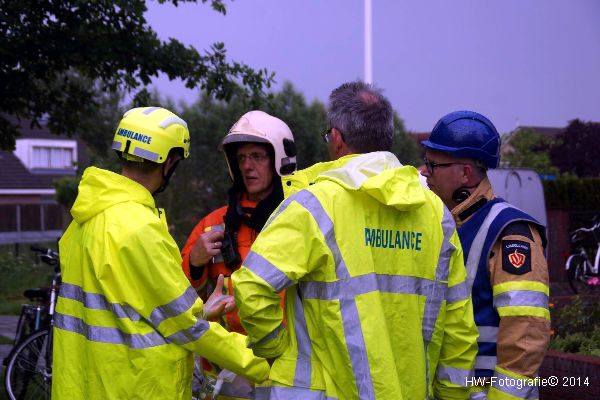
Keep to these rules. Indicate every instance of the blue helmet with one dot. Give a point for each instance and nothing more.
(466, 134)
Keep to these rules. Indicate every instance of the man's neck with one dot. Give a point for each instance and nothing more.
(146, 180)
(482, 191)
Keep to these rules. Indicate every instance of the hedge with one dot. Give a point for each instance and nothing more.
(577, 194)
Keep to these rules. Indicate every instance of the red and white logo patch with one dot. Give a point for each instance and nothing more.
(517, 259)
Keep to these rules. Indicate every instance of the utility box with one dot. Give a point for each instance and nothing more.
(522, 188)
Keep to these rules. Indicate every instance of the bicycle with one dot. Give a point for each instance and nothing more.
(581, 273)
(29, 365)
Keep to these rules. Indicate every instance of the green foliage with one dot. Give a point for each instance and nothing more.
(405, 147)
(531, 150)
(201, 182)
(49, 47)
(577, 153)
(19, 273)
(573, 193)
(577, 327)
(66, 190)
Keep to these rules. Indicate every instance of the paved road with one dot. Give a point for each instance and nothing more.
(8, 324)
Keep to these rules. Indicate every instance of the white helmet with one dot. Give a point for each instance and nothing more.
(260, 127)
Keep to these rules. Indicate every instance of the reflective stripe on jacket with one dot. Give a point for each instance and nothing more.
(376, 298)
(126, 320)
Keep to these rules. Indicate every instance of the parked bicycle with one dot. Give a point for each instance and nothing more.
(29, 364)
(582, 271)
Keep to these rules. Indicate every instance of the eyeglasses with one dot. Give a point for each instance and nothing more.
(432, 165)
(325, 134)
(256, 158)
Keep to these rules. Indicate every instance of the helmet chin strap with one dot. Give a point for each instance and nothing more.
(166, 177)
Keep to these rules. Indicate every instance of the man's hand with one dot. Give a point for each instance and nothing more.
(206, 247)
(218, 303)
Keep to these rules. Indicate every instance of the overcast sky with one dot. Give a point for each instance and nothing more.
(519, 62)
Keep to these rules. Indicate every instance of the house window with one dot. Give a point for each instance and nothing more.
(31, 217)
(8, 217)
(52, 157)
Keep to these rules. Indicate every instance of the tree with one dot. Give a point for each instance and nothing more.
(531, 150)
(404, 146)
(49, 47)
(578, 152)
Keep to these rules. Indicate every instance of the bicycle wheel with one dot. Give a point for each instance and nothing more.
(29, 370)
(575, 267)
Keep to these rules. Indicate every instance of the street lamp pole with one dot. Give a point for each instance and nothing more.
(368, 42)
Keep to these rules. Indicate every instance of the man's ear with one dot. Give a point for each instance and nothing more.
(468, 174)
(340, 148)
(172, 159)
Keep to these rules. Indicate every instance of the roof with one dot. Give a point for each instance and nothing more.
(420, 136)
(541, 130)
(26, 131)
(14, 175)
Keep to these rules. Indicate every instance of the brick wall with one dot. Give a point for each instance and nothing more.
(567, 368)
(559, 223)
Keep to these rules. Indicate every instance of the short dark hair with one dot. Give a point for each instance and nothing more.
(363, 115)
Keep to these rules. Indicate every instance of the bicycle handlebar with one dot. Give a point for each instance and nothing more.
(47, 255)
(38, 248)
(587, 230)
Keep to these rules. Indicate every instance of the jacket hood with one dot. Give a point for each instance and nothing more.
(378, 174)
(100, 189)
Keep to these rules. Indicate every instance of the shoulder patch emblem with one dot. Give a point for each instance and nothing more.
(516, 257)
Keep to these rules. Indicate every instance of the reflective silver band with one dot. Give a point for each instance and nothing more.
(308, 200)
(521, 390)
(371, 282)
(434, 300)
(302, 375)
(97, 301)
(477, 245)
(460, 292)
(146, 154)
(487, 334)
(478, 395)
(116, 146)
(530, 298)
(287, 393)
(455, 375)
(314, 207)
(191, 334)
(177, 307)
(485, 362)
(101, 334)
(150, 110)
(267, 271)
(270, 336)
(357, 350)
(173, 119)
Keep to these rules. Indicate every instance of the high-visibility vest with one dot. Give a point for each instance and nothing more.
(377, 304)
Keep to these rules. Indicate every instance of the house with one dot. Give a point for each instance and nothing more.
(544, 131)
(29, 211)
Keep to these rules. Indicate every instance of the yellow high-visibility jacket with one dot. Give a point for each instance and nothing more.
(127, 319)
(376, 303)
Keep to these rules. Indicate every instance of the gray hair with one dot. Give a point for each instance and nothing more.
(363, 115)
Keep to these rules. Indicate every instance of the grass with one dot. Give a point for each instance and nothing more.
(18, 273)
